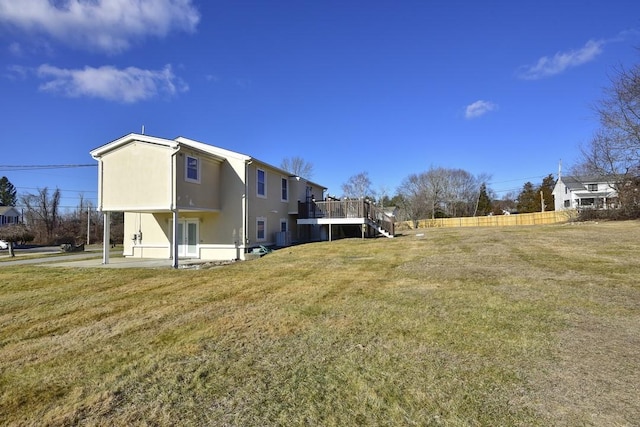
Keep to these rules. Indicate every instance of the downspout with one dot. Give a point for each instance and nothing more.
(173, 206)
(245, 231)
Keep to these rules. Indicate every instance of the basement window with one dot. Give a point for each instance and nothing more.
(261, 229)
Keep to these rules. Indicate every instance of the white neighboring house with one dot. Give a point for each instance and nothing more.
(9, 215)
(585, 192)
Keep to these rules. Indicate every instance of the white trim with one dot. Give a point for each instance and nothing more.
(210, 149)
(140, 209)
(344, 221)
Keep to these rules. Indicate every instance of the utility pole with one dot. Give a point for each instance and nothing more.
(542, 201)
(88, 222)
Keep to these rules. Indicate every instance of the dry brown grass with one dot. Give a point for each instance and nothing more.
(508, 326)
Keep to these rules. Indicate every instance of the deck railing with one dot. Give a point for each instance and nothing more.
(346, 209)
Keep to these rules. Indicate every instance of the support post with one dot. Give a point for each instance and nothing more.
(106, 237)
(330, 227)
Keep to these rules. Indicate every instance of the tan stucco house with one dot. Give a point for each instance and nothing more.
(186, 199)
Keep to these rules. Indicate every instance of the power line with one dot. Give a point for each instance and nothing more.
(519, 179)
(11, 168)
(61, 189)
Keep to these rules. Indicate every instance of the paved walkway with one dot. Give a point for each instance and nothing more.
(94, 260)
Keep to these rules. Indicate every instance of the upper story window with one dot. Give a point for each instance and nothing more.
(192, 169)
(285, 189)
(261, 183)
(592, 187)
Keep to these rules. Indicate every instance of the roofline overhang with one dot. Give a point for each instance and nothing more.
(100, 151)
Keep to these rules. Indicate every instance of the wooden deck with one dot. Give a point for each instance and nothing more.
(346, 212)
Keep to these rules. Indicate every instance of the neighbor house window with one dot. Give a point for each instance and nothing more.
(261, 229)
(283, 225)
(285, 189)
(261, 183)
(567, 203)
(192, 169)
(592, 187)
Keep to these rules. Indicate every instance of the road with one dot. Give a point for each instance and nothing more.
(48, 256)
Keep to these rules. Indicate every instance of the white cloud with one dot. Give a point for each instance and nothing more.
(561, 61)
(479, 108)
(17, 72)
(126, 85)
(15, 49)
(107, 25)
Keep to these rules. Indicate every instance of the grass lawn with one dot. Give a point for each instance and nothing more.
(460, 327)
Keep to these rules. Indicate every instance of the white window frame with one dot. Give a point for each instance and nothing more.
(283, 221)
(264, 183)
(186, 169)
(284, 188)
(259, 220)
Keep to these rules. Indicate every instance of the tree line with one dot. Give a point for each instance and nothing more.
(42, 220)
(451, 193)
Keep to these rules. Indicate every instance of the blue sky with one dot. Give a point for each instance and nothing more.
(504, 88)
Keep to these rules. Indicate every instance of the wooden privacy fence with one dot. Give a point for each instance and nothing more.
(536, 218)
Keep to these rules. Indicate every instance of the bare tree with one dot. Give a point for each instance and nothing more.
(441, 192)
(614, 150)
(413, 203)
(42, 212)
(358, 187)
(462, 192)
(297, 166)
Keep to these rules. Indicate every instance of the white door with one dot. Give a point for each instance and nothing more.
(187, 238)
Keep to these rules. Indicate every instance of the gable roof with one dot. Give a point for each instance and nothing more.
(7, 211)
(579, 182)
(103, 149)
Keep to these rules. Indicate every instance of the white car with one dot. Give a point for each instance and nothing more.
(4, 245)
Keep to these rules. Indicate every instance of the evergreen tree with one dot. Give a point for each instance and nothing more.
(547, 192)
(529, 199)
(8, 193)
(484, 201)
